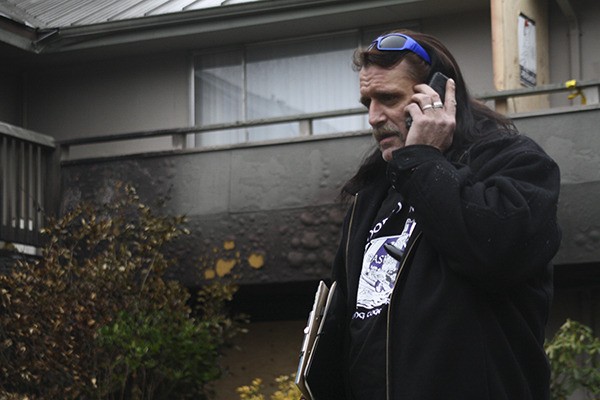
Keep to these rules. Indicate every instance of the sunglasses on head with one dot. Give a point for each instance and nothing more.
(398, 42)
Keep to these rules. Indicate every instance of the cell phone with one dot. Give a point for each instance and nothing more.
(437, 83)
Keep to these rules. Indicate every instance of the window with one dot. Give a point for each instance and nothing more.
(277, 79)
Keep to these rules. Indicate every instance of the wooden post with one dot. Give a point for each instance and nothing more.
(505, 50)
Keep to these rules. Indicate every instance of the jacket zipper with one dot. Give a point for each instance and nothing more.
(389, 316)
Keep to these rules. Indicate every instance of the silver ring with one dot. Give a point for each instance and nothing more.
(438, 104)
(426, 107)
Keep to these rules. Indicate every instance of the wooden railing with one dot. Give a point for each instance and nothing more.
(28, 184)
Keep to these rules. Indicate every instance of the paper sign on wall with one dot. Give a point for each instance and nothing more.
(527, 51)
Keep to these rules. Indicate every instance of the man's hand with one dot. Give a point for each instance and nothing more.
(433, 122)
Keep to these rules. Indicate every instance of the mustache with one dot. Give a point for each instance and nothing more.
(389, 129)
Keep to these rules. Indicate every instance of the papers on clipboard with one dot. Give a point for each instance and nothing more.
(313, 330)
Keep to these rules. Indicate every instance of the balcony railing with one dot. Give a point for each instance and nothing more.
(28, 184)
(305, 122)
(305, 126)
(575, 88)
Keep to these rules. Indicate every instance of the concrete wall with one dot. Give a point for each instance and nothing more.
(267, 213)
(264, 188)
(570, 137)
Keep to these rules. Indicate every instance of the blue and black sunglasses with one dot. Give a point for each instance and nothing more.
(398, 42)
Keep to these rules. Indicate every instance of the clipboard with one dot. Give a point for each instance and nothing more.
(312, 333)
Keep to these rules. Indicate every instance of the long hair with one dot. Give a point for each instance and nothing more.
(474, 120)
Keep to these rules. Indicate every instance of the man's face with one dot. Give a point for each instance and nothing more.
(385, 93)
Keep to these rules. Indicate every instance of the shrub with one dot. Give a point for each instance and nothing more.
(574, 355)
(286, 390)
(95, 317)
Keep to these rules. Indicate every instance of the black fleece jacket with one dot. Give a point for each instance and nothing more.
(469, 307)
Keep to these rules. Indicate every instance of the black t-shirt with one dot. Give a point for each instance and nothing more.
(393, 224)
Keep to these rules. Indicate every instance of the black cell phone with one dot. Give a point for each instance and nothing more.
(437, 83)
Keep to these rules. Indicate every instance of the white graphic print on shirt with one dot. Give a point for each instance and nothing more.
(379, 271)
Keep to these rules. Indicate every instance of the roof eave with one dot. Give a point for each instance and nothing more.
(197, 22)
(17, 34)
(227, 23)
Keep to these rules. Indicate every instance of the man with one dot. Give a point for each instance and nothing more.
(469, 206)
